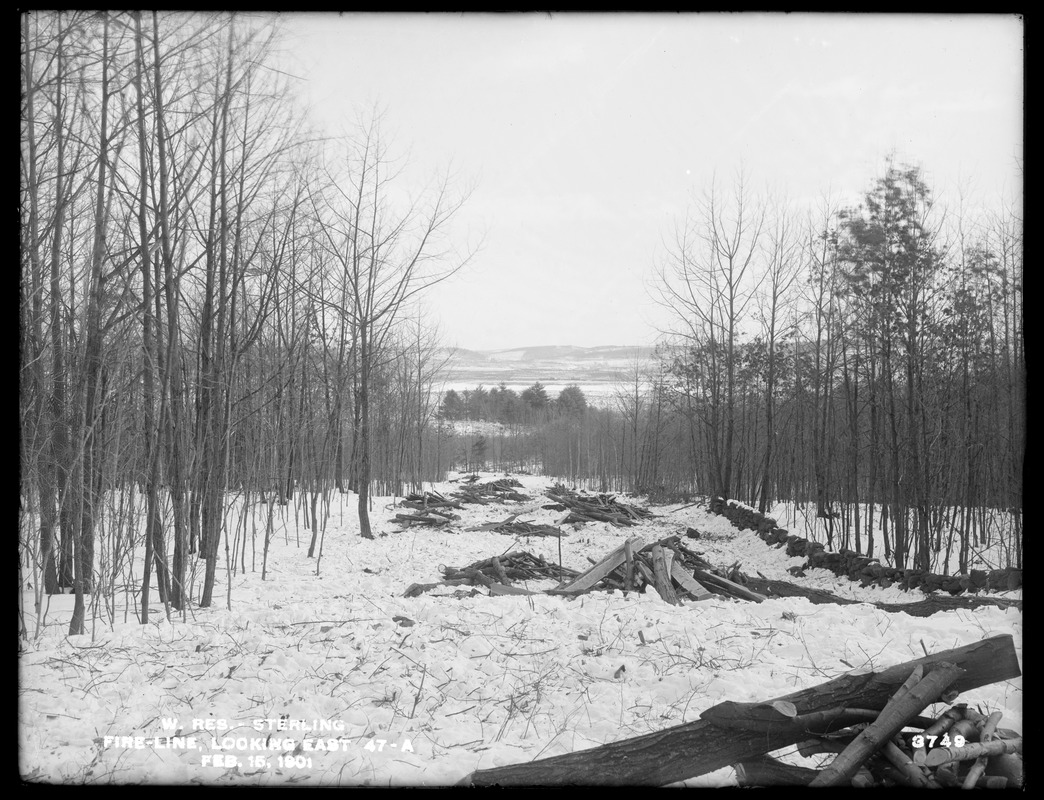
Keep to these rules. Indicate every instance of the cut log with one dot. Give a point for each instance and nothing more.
(970, 752)
(915, 694)
(932, 604)
(767, 771)
(688, 583)
(727, 586)
(662, 574)
(912, 775)
(585, 580)
(988, 734)
(699, 747)
(629, 562)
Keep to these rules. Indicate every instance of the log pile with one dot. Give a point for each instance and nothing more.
(433, 518)
(859, 715)
(498, 491)
(497, 574)
(595, 508)
(668, 566)
(521, 528)
(868, 571)
(960, 748)
(425, 500)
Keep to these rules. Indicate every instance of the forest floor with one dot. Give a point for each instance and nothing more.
(377, 689)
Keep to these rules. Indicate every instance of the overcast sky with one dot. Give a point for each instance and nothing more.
(586, 137)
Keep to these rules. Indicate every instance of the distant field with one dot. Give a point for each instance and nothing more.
(601, 373)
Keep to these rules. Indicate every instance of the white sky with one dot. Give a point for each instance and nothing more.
(586, 136)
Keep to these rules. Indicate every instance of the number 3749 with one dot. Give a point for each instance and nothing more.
(918, 740)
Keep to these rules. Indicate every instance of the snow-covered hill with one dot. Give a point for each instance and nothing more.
(599, 371)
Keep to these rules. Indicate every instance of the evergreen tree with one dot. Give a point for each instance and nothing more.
(452, 406)
(535, 399)
(571, 401)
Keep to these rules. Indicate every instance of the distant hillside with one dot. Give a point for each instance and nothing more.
(568, 353)
(599, 371)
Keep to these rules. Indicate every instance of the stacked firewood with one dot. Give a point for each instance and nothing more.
(497, 573)
(595, 508)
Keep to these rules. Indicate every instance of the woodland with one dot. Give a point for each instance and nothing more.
(216, 300)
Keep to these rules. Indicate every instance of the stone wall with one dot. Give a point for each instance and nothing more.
(868, 571)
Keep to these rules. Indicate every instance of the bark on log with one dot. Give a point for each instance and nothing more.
(767, 771)
(699, 747)
(913, 696)
(662, 574)
(589, 578)
(688, 583)
(970, 752)
(932, 604)
(727, 586)
(912, 775)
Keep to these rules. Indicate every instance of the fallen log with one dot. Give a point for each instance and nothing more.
(931, 604)
(725, 586)
(688, 583)
(589, 578)
(915, 694)
(767, 771)
(970, 752)
(696, 748)
(661, 559)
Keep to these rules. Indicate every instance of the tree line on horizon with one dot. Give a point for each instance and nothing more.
(508, 407)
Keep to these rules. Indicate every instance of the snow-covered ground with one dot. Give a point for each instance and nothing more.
(377, 689)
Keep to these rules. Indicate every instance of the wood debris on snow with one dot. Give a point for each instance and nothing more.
(499, 572)
(595, 508)
(858, 715)
(521, 528)
(497, 491)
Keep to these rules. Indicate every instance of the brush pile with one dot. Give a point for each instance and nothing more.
(595, 508)
(517, 566)
(497, 574)
(428, 500)
(668, 566)
(522, 528)
(498, 491)
(430, 517)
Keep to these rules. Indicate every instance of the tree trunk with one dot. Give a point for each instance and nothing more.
(91, 418)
